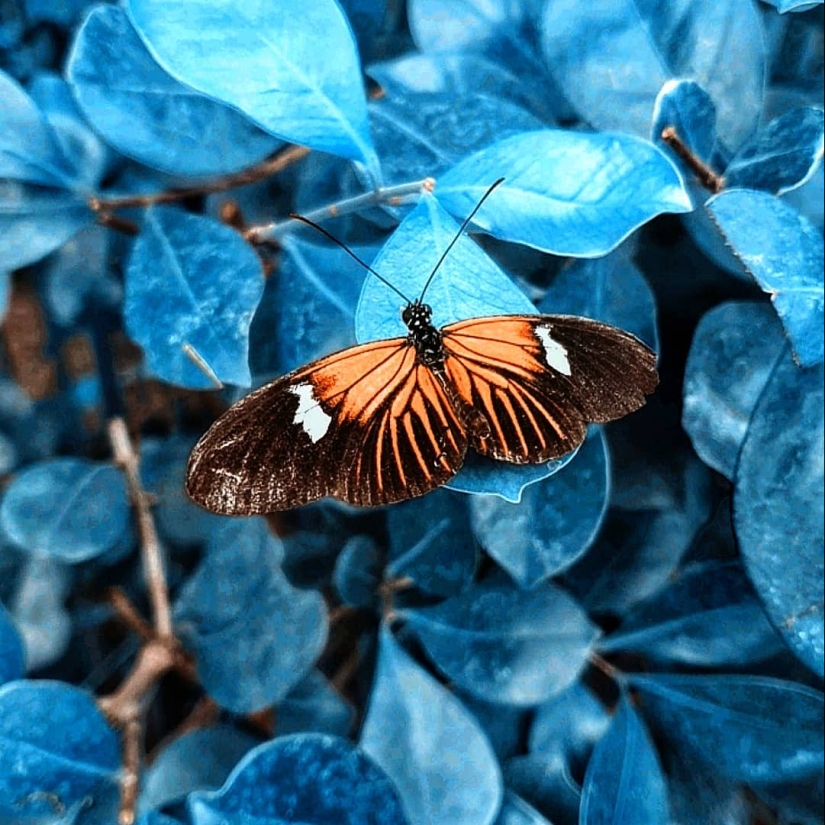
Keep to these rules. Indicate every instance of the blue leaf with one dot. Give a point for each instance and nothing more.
(431, 543)
(784, 254)
(515, 811)
(568, 193)
(88, 156)
(708, 617)
(611, 67)
(300, 80)
(199, 760)
(430, 746)
(253, 634)
(782, 156)
(778, 506)
(685, 106)
(35, 222)
(507, 645)
(146, 114)
(192, 282)
(29, 149)
(56, 751)
(308, 306)
(314, 705)
(749, 728)
(468, 285)
(734, 349)
(12, 662)
(420, 135)
(555, 522)
(546, 783)
(79, 275)
(358, 572)
(568, 726)
(45, 626)
(68, 508)
(624, 781)
(307, 778)
(609, 289)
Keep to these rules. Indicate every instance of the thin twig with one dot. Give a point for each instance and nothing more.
(130, 773)
(390, 195)
(126, 457)
(127, 613)
(251, 174)
(604, 666)
(706, 176)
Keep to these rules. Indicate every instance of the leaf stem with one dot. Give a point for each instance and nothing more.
(126, 457)
(706, 176)
(103, 207)
(390, 195)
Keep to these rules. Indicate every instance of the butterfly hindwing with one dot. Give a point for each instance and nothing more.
(367, 425)
(538, 380)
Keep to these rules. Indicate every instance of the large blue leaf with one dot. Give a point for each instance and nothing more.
(147, 114)
(681, 623)
(198, 760)
(12, 663)
(612, 65)
(36, 221)
(307, 778)
(624, 784)
(555, 522)
(358, 571)
(778, 506)
(30, 151)
(56, 752)
(468, 285)
(784, 254)
(734, 349)
(609, 289)
(192, 281)
(300, 79)
(431, 543)
(545, 782)
(507, 645)
(749, 728)
(429, 744)
(69, 508)
(782, 156)
(254, 635)
(515, 811)
(569, 193)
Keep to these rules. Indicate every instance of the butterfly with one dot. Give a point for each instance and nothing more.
(393, 419)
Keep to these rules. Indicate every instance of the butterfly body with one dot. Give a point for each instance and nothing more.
(393, 419)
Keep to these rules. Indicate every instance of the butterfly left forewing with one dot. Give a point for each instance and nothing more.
(367, 425)
(539, 380)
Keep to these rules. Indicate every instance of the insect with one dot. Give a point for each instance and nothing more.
(391, 420)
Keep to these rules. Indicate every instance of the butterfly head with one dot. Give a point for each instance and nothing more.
(417, 316)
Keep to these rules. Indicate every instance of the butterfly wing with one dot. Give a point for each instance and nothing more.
(538, 380)
(367, 425)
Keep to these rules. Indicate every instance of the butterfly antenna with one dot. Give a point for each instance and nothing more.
(458, 234)
(349, 252)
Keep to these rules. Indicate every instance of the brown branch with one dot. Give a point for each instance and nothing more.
(251, 174)
(127, 613)
(706, 176)
(126, 457)
(604, 666)
(130, 774)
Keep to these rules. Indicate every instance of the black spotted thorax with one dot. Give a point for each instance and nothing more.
(423, 335)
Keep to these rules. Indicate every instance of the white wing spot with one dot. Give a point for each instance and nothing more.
(555, 354)
(310, 415)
